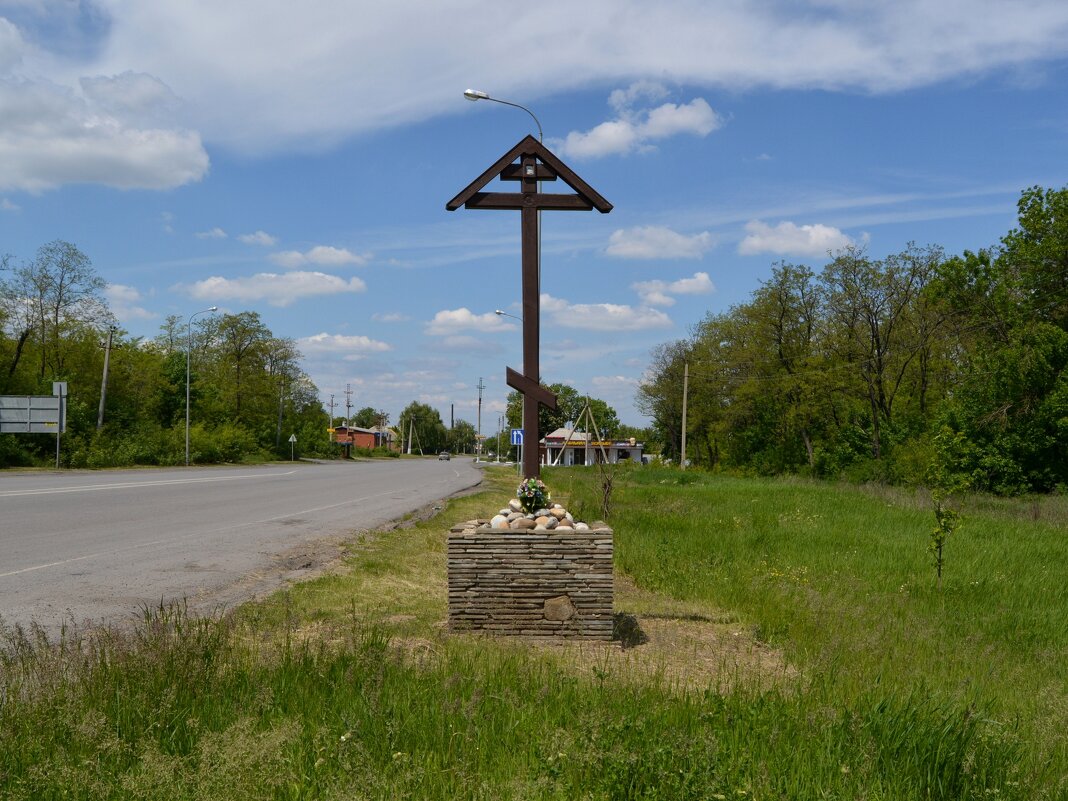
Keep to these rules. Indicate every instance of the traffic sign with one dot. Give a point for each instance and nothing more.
(292, 437)
(517, 436)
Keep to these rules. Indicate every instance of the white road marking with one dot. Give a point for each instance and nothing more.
(135, 484)
(196, 533)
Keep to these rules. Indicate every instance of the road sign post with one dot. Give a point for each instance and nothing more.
(292, 445)
(59, 389)
(517, 440)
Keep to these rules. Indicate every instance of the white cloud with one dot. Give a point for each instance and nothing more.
(240, 94)
(7, 205)
(657, 242)
(451, 321)
(788, 239)
(602, 316)
(130, 95)
(623, 99)
(258, 238)
(638, 129)
(275, 289)
(12, 46)
(392, 317)
(614, 382)
(348, 347)
(658, 293)
(468, 344)
(214, 233)
(124, 303)
(320, 254)
(52, 135)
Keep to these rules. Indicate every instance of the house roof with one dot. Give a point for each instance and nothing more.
(560, 433)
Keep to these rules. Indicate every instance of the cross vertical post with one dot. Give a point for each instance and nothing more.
(536, 163)
(531, 313)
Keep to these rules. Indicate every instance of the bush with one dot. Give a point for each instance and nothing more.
(12, 452)
(225, 443)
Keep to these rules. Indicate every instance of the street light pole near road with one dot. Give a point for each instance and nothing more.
(188, 351)
(475, 94)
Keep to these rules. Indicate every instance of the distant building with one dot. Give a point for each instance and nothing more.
(377, 437)
(582, 448)
(386, 438)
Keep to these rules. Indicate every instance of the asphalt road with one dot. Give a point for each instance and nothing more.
(99, 546)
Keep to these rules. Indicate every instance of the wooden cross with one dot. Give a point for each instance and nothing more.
(530, 162)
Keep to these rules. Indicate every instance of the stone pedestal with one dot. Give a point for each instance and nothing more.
(530, 584)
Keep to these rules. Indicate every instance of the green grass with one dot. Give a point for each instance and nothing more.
(346, 686)
(839, 578)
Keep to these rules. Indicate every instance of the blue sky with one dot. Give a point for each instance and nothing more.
(296, 162)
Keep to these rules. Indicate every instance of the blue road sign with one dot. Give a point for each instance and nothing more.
(517, 436)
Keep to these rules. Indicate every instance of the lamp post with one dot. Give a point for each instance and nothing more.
(475, 95)
(104, 380)
(502, 313)
(188, 351)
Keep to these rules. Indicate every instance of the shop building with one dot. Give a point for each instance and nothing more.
(581, 448)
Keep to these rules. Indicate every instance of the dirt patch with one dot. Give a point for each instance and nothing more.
(681, 646)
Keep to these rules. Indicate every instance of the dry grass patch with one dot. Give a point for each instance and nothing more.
(679, 645)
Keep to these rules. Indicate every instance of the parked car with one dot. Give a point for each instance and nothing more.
(444, 455)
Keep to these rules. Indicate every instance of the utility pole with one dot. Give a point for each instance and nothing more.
(332, 405)
(348, 405)
(685, 390)
(478, 438)
(104, 381)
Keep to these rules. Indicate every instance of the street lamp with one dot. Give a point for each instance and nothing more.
(188, 350)
(502, 313)
(475, 94)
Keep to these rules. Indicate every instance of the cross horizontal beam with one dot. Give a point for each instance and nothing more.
(529, 387)
(515, 200)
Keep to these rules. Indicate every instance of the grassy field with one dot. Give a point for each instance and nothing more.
(796, 647)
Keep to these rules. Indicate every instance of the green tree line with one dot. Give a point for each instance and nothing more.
(882, 369)
(248, 394)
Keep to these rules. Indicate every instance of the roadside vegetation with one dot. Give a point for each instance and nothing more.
(874, 366)
(786, 640)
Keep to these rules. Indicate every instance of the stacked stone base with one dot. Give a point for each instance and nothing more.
(531, 584)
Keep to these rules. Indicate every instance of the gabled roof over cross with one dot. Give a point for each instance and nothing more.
(548, 168)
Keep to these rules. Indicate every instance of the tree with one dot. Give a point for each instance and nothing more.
(427, 430)
(1034, 256)
(660, 397)
(462, 437)
(569, 405)
(1006, 419)
(282, 364)
(869, 307)
(367, 417)
(243, 344)
(50, 297)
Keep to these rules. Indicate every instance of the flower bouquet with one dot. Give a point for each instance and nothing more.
(532, 495)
